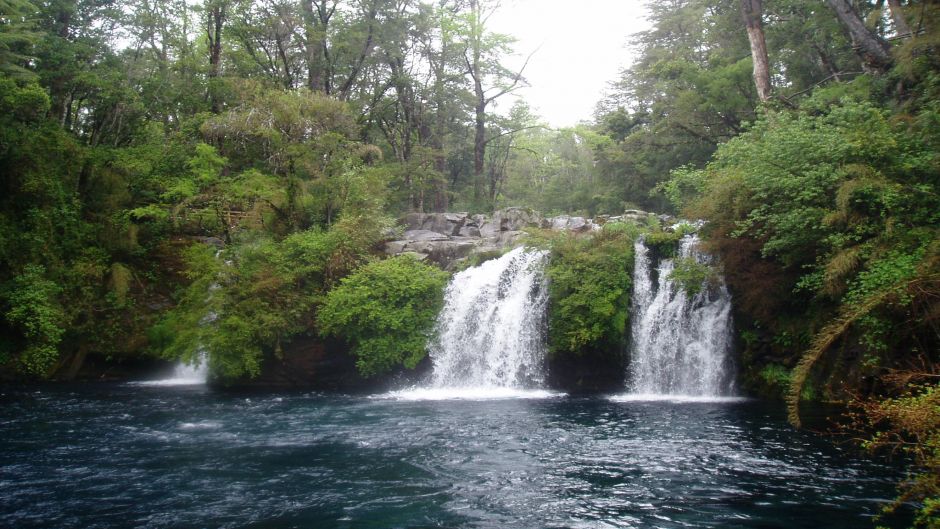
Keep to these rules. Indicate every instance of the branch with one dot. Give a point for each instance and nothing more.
(833, 76)
(515, 80)
(508, 132)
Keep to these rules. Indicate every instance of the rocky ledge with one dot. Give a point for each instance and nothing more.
(447, 239)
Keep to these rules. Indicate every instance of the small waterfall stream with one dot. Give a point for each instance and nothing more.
(183, 374)
(490, 340)
(679, 343)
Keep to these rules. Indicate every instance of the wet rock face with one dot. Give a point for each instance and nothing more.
(447, 238)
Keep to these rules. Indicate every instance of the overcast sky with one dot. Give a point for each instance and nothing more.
(583, 47)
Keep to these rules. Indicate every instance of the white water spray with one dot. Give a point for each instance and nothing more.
(490, 339)
(680, 343)
(184, 374)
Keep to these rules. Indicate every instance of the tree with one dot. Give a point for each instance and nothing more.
(752, 10)
(872, 49)
(900, 22)
(16, 36)
(491, 80)
(216, 12)
(386, 309)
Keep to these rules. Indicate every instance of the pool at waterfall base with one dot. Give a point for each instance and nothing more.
(103, 455)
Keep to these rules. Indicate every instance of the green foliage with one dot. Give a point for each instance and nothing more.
(589, 290)
(691, 275)
(35, 312)
(776, 376)
(911, 424)
(663, 243)
(841, 207)
(260, 293)
(386, 310)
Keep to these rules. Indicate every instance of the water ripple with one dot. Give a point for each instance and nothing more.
(116, 456)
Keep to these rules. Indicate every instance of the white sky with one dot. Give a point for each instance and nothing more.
(583, 48)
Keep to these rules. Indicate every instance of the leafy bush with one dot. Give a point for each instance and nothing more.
(34, 309)
(589, 289)
(834, 210)
(691, 275)
(259, 294)
(386, 309)
(910, 424)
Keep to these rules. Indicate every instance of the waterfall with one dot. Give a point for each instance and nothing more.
(679, 343)
(490, 338)
(184, 374)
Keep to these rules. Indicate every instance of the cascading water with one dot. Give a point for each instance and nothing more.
(490, 339)
(679, 343)
(184, 374)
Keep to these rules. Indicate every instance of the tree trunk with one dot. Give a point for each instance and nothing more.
(479, 147)
(312, 47)
(874, 52)
(900, 23)
(363, 54)
(216, 18)
(751, 11)
(479, 139)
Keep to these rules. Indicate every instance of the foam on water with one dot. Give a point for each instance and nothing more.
(183, 375)
(678, 399)
(470, 393)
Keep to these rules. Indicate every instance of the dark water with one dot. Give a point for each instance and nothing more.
(119, 456)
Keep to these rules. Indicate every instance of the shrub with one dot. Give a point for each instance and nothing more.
(589, 289)
(386, 310)
(259, 294)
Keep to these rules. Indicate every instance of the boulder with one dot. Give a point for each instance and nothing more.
(469, 231)
(442, 223)
(507, 239)
(515, 219)
(424, 235)
(447, 238)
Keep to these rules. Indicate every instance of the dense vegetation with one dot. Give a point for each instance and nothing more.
(189, 178)
(387, 309)
(589, 290)
(825, 209)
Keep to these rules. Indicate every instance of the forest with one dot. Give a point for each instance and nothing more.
(220, 176)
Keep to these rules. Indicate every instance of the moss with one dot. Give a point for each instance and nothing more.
(664, 244)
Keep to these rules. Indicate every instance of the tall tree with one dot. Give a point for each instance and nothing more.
(752, 11)
(216, 14)
(897, 14)
(491, 80)
(872, 49)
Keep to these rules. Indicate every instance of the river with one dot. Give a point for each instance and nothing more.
(103, 455)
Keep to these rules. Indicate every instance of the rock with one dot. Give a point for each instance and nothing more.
(211, 241)
(414, 221)
(445, 252)
(578, 224)
(448, 238)
(634, 215)
(423, 235)
(470, 231)
(489, 229)
(559, 223)
(515, 219)
(395, 247)
(416, 255)
(509, 238)
(442, 223)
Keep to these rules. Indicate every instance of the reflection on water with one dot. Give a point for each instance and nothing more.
(115, 456)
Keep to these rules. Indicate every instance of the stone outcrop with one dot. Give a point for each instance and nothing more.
(448, 238)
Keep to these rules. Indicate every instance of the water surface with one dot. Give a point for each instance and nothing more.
(126, 456)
